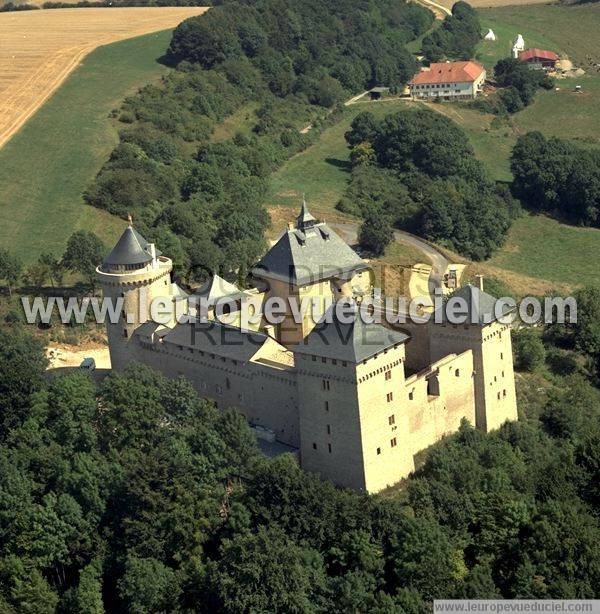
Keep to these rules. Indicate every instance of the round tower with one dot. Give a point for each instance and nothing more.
(131, 276)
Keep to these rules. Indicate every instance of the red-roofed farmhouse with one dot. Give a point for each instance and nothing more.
(539, 58)
(448, 80)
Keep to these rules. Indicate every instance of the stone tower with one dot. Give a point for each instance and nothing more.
(310, 263)
(353, 423)
(490, 342)
(137, 273)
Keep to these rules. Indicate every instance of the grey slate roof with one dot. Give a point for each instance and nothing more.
(216, 288)
(131, 248)
(480, 305)
(219, 339)
(354, 342)
(308, 253)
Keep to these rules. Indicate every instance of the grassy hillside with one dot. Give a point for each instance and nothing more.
(47, 165)
(537, 247)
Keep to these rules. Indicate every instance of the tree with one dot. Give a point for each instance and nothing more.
(22, 366)
(36, 274)
(363, 129)
(266, 572)
(423, 558)
(54, 267)
(376, 232)
(10, 269)
(84, 252)
(586, 331)
(529, 350)
(456, 38)
(362, 154)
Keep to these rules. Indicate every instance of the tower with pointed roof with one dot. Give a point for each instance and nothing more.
(132, 275)
(312, 265)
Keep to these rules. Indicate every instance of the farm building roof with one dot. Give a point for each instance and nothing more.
(443, 72)
(537, 54)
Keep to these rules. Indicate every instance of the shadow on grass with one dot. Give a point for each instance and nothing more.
(343, 164)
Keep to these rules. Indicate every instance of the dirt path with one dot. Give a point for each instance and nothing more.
(39, 49)
(440, 11)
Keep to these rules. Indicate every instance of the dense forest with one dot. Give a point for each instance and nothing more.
(557, 177)
(292, 62)
(138, 496)
(416, 170)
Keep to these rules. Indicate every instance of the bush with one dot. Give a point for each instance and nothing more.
(528, 349)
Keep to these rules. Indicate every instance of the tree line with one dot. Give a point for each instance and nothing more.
(416, 170)
(139, 496)
(558, 177)
(204, 200)
(83, 253)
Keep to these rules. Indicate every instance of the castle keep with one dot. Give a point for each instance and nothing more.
(357, 400)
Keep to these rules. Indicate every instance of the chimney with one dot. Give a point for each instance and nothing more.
(480, 281)
(290, 225)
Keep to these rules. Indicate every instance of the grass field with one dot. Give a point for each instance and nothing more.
(543, 248)
(47, 165)
(39, 49)
(322, 171)
(241, 122)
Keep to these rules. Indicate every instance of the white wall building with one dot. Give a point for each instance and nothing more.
(448, 80)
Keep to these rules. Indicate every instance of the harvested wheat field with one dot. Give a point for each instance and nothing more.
(38, 50)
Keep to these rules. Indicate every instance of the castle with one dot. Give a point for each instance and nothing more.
(356, 400)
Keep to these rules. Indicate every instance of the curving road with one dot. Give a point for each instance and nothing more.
(439, 263)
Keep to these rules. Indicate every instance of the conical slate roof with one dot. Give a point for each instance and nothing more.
(130, 249)
(354, 341)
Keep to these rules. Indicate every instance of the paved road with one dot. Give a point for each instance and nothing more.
(439, 263)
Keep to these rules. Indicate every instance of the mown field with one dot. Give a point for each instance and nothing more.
(47, 165)
(39, 49)
(538, 248)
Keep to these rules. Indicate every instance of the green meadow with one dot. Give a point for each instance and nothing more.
(48, 164)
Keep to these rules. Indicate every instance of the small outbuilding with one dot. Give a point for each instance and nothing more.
(377, 93)
(490, 36)
(539, 59)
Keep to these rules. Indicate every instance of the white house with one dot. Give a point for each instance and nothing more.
(448, 81)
